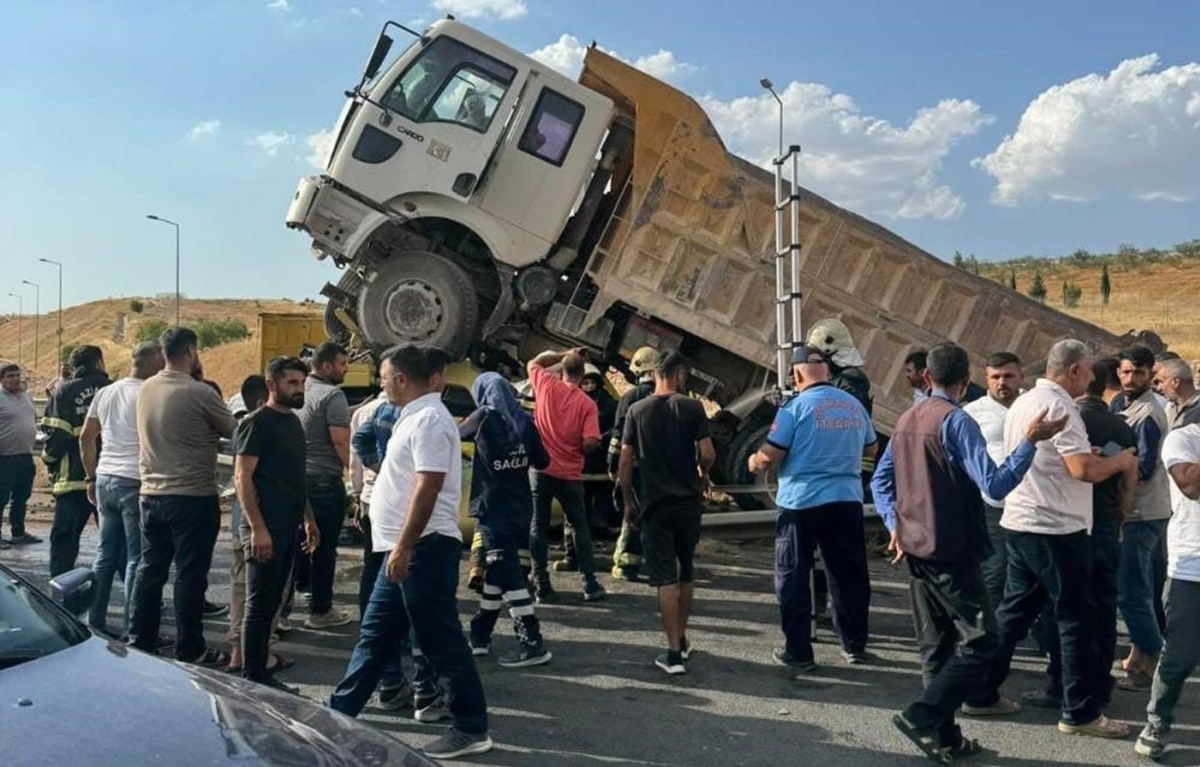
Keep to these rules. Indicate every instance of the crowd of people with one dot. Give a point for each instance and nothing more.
(1049, 511)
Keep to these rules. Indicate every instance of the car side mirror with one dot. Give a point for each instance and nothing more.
(74, 591)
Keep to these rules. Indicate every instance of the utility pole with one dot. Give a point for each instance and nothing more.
(37, 320)
(61, 361)
(20, 325)
(152, 217)
(766, 83)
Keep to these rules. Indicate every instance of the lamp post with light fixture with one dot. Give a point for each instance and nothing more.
(153, 217)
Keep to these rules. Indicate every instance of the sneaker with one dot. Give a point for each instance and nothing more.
(594, 592)
(781, 656)
(211, 658)
(565, 566)
(24, 539)
(213, 610)
(457, 743)
(479, 647)
(430, 711)
(331, 619)
(544, 593)
(1100, 727)
(284, 627)
(395, 698)
(671, 662)
(526, 655)
(1134, 681)
(685, 648)
(1002, 707)
(1153, 741)
(856, 657)
(1041, 699)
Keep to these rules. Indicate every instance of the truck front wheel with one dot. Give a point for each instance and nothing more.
(420, 298)
(734, 470)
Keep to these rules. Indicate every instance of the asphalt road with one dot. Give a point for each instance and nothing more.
(602, 702)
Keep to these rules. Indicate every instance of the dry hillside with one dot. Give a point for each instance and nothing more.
(1154, 297)
(111, 325)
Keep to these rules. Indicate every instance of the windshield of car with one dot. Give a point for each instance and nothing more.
(30, 626)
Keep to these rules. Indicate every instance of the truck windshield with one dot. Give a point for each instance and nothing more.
(31, 627)
(451, 82)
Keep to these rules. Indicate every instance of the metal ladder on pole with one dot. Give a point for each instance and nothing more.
(788, 328)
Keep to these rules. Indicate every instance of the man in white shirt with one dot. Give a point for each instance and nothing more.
(108, 447)
(1003, 386)
(414, 518)
(1048, 518)
(1181, 652)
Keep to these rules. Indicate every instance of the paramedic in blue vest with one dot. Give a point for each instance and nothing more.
(927, 491)
(818, 441)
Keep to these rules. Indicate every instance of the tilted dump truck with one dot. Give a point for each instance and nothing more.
(477, 200)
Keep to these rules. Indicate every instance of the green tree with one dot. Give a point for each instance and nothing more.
(1037, 289)
(212, 333)
(1071, 295)
(1105, 285)
(959, 261)
(1012, 279)
(150, 330)
(136, 306)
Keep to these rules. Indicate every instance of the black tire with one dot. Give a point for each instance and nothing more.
(419, 298)
(746, 441)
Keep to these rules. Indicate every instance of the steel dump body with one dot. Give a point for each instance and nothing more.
(691, 242)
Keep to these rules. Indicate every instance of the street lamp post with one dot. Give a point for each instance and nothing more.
(20, 325)
(37, 320)
(766, 83)
(60, 325)
(153, 217)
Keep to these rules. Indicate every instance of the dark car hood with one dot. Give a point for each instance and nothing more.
(101, 703)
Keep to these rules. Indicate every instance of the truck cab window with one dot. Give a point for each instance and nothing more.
(552, 127)
(450, 82)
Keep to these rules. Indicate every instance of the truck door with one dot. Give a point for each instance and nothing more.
(547, 159)
(435, 122)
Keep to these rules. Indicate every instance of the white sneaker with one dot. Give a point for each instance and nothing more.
(434, 711)
(331, 619)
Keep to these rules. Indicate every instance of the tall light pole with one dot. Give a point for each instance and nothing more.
(20, 325)
(153, 217)
(766, 83)
(52, 262)
(37, 319)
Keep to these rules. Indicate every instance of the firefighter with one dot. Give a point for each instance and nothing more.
(627, 556)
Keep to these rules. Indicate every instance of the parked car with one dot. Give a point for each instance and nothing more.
(68, 696)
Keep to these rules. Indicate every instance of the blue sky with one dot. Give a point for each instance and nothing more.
(998, 129)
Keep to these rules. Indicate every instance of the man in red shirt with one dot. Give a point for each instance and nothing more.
(568, 423)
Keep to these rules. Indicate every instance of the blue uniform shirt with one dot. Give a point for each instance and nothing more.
(824, 430)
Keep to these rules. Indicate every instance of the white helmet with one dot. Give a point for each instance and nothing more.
(833, 338)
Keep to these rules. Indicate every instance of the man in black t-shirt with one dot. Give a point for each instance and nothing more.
(667, 434)
(269, 476)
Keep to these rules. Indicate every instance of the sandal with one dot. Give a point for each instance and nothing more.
(279, 662)
(964, 748)
(924, 738)
(212, 658)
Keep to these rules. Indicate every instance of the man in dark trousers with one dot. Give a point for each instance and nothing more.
(667, 434)
(1111, 500)
(627, 555)
(927, 490)
(63, 421)
(269, 477)
(818, 440)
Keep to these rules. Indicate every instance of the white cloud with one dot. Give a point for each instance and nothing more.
(206, 128)
(1132, 133)
(270, 141)
(356, 12)
(566, 55)
(320, 144)
(283, 6)
(501, 10)
(867, 164)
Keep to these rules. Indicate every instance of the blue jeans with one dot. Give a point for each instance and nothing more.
(120, 547)
(424, 602)
(1136, 583)
(1181, 654)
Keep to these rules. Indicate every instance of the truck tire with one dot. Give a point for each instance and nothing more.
(419, 298)
(749, 437)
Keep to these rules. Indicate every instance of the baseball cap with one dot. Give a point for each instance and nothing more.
(809, 354)
(644, 360)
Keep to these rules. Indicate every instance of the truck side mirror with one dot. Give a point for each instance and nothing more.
(382, 47)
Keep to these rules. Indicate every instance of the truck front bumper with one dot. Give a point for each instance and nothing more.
(327, 213)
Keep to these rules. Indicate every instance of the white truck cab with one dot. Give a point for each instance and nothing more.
(458, 165)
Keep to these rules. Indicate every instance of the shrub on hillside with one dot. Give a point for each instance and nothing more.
(149, 330)
(216, 332)
(136, 306)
